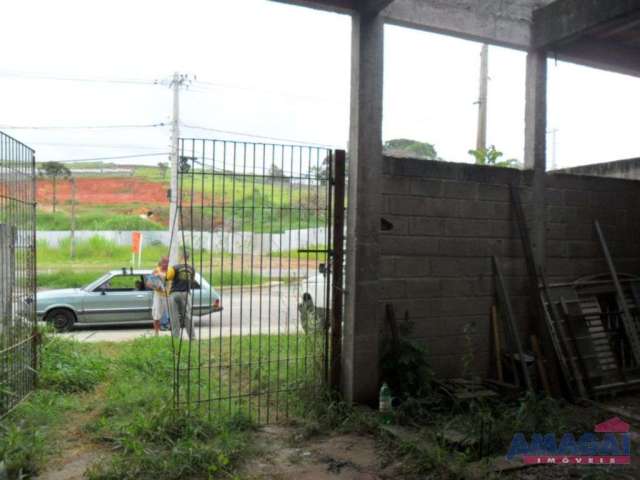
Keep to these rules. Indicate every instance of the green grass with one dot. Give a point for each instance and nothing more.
(93, 258)
(96, 256)
(29, 433)
(101, 220)
(66, 279)
(256, 204)
(71, 366)
(131, 414)
(151, 441)
(95, 250)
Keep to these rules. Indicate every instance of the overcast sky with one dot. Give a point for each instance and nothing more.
(278, 71)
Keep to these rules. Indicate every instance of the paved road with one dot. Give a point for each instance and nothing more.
(271, 309)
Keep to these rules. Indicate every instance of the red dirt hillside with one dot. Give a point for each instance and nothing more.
(104, 191)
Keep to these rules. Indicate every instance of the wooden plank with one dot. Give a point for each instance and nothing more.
(577, 346)
(540, 292)
(627, 319)
(542, 371)
(506, 304)
(496, 343)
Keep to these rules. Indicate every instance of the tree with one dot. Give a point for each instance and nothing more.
(54, 170)
(491, 156)
(414, 148)
(163, 166)
(320, 172)
(276, 172)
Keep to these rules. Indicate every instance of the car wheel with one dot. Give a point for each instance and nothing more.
(61, 319)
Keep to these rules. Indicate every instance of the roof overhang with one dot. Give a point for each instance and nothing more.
(603, 34)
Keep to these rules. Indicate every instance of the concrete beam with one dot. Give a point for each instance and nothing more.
(339, 6)
(601, 54)
(373, 6)
(360, 338)
(494, 22)
(566, 20)
(491, 21)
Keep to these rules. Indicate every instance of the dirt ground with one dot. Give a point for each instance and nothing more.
(286, 453)
(104, 191)
(76, 450)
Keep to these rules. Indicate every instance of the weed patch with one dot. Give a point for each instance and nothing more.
(150, 438)
(170, 445)
(26, 434)
(70, 366)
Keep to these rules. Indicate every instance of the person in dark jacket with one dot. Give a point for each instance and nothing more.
(182, 278)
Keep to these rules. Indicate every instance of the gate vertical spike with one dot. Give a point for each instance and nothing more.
(338, 182)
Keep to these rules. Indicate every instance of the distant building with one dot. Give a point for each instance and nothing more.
(628, 169)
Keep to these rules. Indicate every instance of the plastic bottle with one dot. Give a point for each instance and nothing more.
(384, 404)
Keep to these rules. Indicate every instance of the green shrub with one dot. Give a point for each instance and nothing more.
(71, 366)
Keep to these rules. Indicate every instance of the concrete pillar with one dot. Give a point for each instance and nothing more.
(535, 159)
(535, 146)
(360, 347)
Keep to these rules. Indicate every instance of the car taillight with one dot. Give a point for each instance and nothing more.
(216, 304)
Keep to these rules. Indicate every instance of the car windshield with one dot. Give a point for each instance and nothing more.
(99, 281)
(104, 278)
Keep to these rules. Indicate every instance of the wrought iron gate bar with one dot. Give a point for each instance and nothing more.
(253, 217)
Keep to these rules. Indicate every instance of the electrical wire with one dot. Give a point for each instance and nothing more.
(41, 76)
(79, 160)
(263, 137)
(214, 85)
(79, 127)
(95, 145)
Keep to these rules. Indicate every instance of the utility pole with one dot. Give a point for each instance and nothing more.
(73, 217)
(481, 140)
(178, 81)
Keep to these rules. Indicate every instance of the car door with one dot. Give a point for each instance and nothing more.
(121, 298)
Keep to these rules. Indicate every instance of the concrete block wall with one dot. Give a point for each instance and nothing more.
(449, 219)
(573, 203)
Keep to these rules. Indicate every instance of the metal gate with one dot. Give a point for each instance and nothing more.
(18, 335)
(255, 221)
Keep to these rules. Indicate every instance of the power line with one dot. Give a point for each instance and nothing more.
(209, 85)
(39, 76)
(77, 127)
(120, 157)
(94, 145)
(262, 137)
